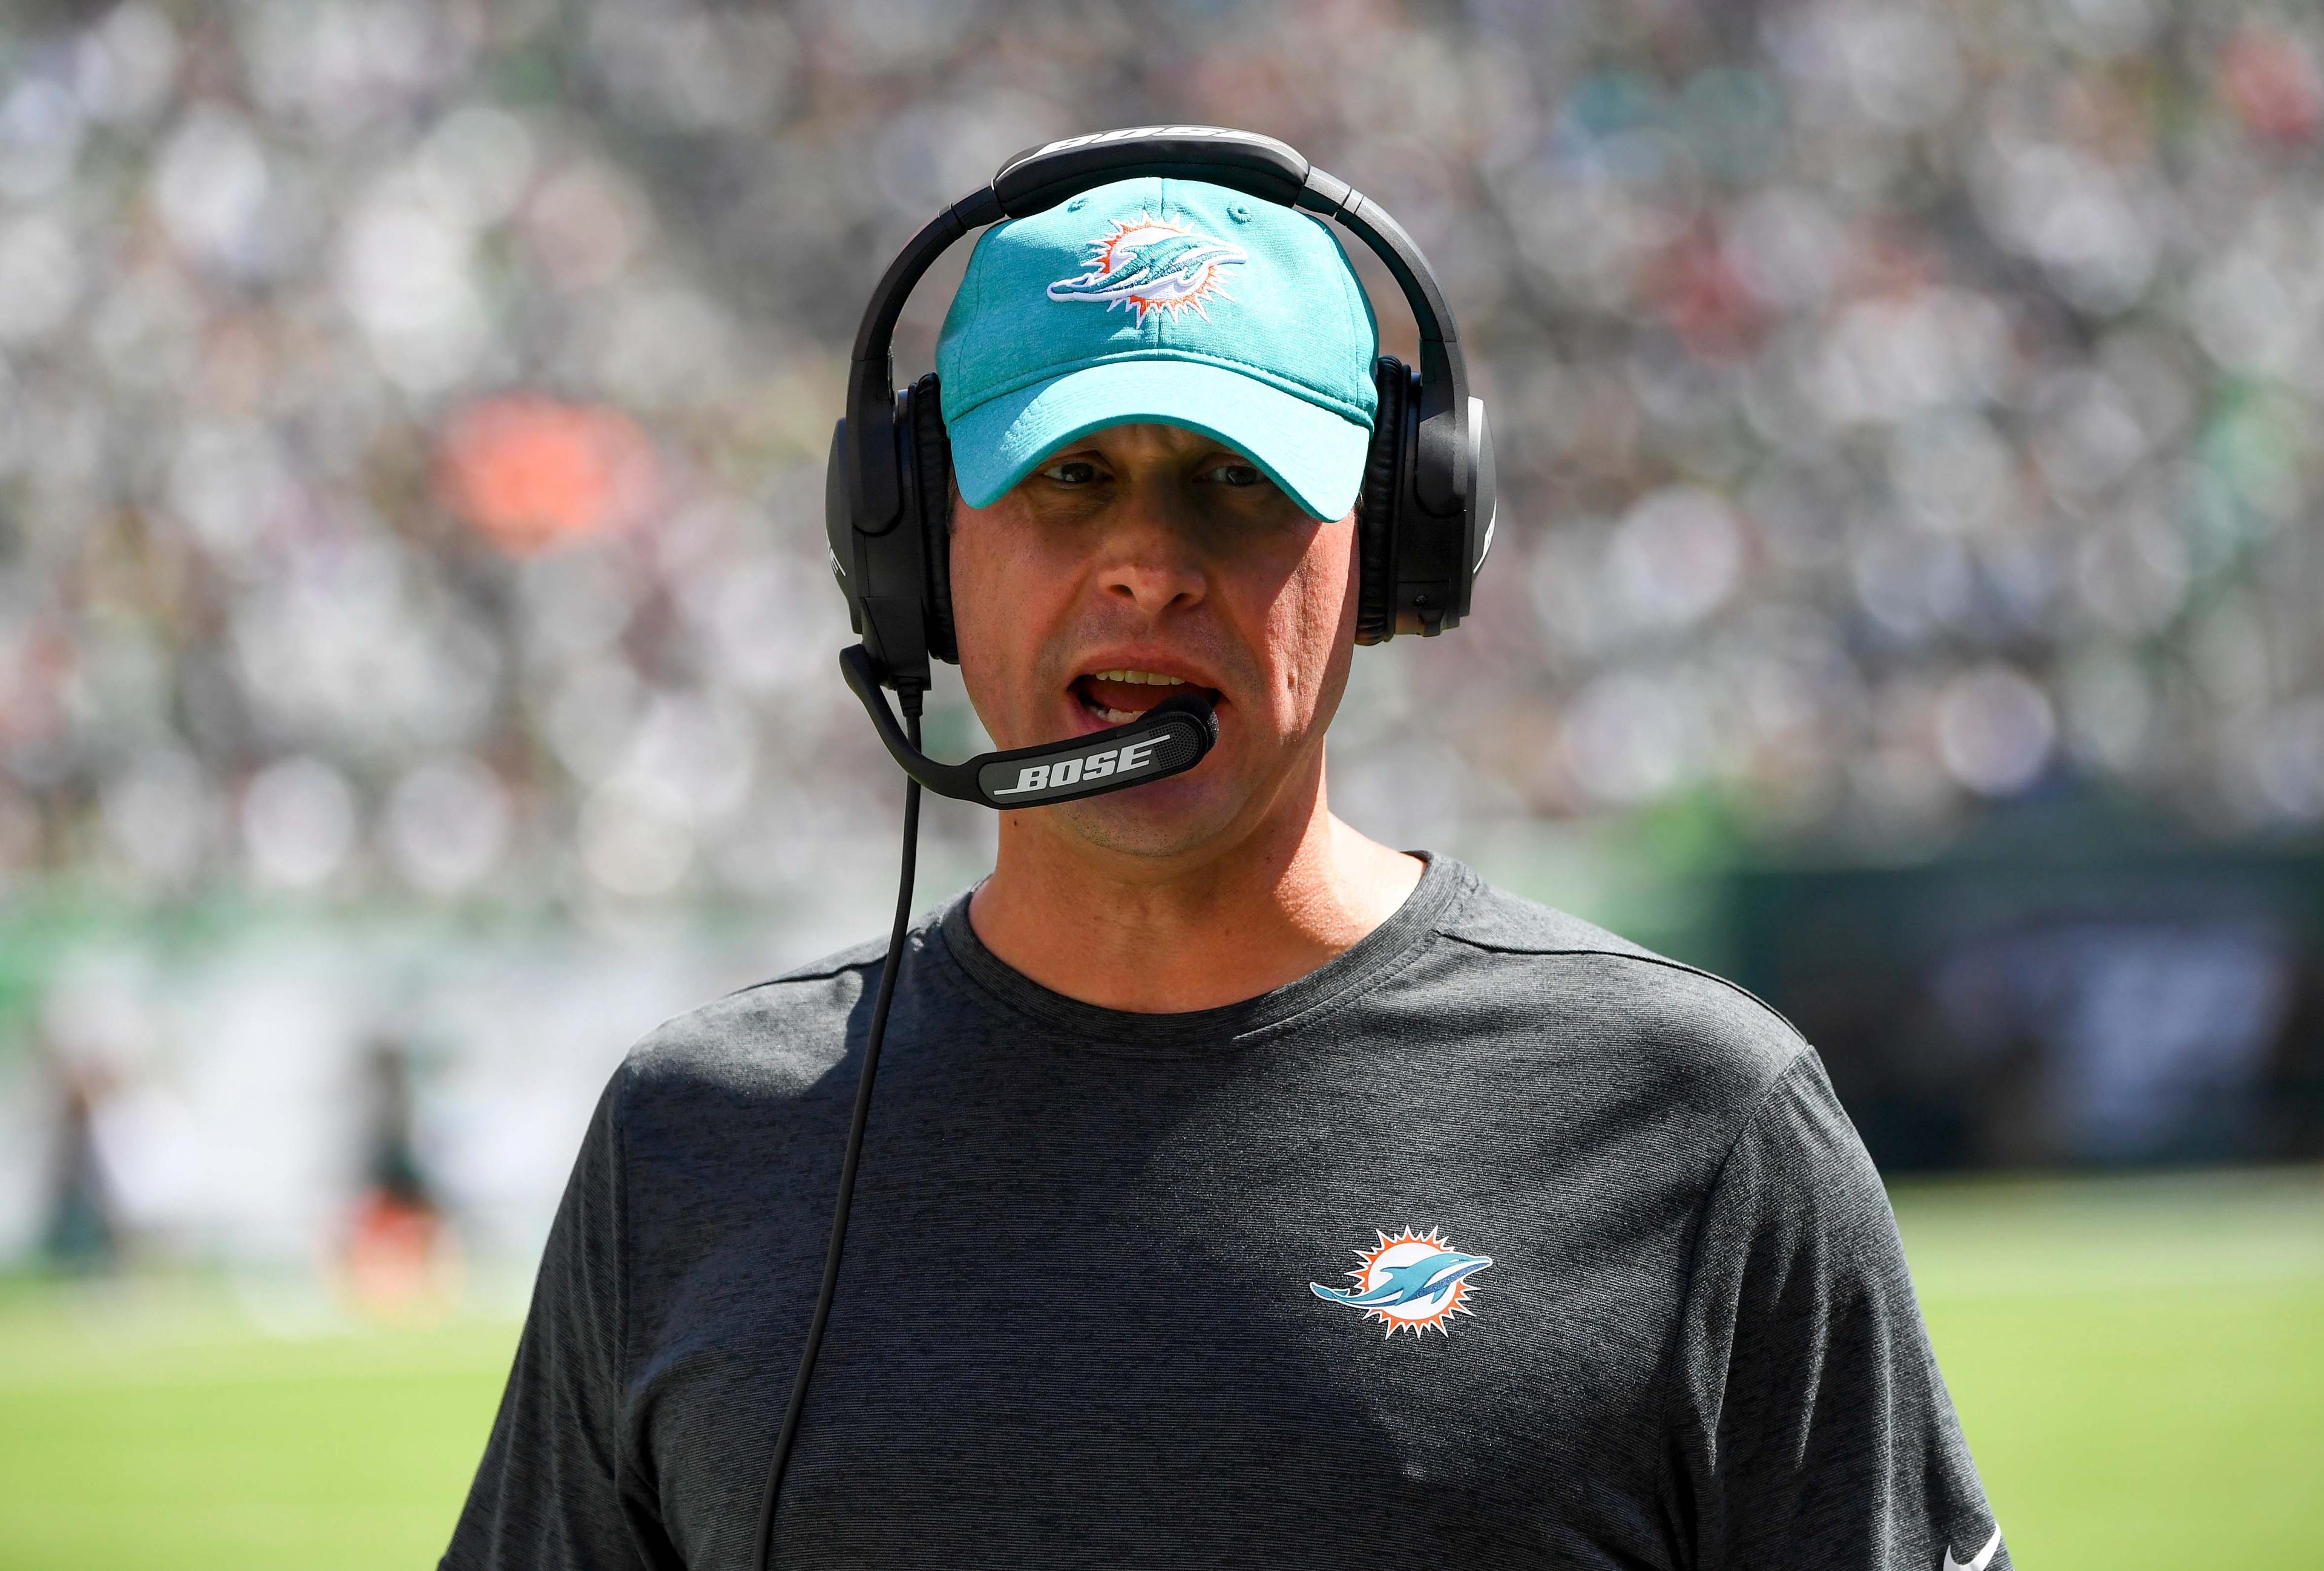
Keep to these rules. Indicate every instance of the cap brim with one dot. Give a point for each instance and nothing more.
(1315, 455)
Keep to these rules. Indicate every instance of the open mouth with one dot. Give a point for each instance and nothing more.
(1119, 696)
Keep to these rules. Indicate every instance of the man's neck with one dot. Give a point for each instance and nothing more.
(1301, 889)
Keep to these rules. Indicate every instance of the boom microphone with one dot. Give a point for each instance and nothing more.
(1168, 739)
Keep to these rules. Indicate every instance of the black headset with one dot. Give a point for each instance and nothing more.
(1424, 519)
(1425, 516)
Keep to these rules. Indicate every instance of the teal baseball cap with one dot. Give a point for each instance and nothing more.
(1168, 301)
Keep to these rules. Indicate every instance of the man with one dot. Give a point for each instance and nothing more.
(1625, 1290)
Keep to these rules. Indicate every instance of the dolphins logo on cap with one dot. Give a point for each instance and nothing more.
(1152, 265)
(1412, 1282)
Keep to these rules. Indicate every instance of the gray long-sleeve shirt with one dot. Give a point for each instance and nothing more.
(1096, 1305)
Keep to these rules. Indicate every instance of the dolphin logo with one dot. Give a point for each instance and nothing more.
(1148, 265)
(1427, 1282)
(1413, 1280)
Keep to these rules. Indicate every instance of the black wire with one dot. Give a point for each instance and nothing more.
(911, 704)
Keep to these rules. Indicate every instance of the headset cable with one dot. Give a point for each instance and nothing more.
(910, 702)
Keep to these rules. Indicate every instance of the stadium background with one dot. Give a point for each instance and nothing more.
(415, 652)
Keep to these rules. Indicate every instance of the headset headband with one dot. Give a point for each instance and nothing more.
(1040, 178)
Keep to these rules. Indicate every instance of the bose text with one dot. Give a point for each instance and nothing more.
(1125, 759)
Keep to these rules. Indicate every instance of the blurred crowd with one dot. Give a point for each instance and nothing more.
(412, 417)
(412, 412)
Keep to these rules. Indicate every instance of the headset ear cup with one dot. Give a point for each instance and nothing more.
(932, 471)
(1376, 511)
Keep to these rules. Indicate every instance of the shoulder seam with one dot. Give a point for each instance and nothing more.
(825, 974)
(1661, 960)
(1667, 1377)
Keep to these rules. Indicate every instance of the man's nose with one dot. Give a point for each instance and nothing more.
(1150, 558)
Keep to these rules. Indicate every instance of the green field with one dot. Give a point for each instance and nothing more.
(2139, 1363)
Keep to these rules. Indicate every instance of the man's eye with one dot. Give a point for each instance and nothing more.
(1236, 475)
(1070, 472)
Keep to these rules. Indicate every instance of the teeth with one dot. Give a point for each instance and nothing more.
(1150, 679)
(1115, 717)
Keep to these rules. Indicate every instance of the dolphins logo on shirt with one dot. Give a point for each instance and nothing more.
(1411, 1282)
(1152, 265)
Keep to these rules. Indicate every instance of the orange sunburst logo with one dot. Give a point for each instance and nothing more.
(1411, 1281)
(1149, 263)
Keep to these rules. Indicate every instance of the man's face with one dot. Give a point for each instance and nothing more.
(1155, 550)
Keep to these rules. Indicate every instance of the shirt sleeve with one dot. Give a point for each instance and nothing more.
(553, 1490)
(1813, 1431)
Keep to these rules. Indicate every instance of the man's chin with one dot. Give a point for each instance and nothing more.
(1165, 820)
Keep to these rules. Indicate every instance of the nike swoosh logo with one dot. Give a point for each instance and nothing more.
(1984, 1556)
